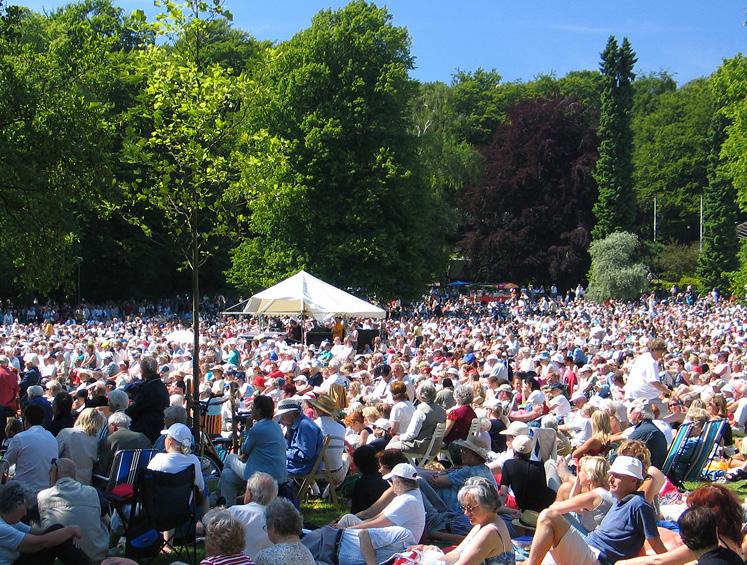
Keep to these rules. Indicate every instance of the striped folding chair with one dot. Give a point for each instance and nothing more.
(676, 448)
(706, 449)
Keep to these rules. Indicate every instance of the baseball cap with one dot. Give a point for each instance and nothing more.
(179, 433)
(522, 444)
(402, 470)
(625, 465)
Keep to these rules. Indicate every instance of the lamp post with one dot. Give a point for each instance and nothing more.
(78, 261)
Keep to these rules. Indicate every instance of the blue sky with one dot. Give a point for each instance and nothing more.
(522, 38)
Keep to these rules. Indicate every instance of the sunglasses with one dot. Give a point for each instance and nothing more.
(468, 509)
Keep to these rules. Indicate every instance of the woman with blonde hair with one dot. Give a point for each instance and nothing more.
(590, 498)
(601, 436)
(80, 443)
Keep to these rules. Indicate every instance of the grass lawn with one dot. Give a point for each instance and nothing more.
(321, 513)
(739, 487)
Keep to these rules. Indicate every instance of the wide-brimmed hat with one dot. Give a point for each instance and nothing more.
(287, 405)
(505, 388)
(527, 519)
(475, 445)
(516, 429)
(324, 403)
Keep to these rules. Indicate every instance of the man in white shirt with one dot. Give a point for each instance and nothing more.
(643, 380)
(261, 489)
(32, 451)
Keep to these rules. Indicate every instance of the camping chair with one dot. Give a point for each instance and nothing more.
(126, 466)
(211, 425)
(422, 458)
(318, 474)
(688, 460)
(706, 448)
(675, 449)
(166, 502)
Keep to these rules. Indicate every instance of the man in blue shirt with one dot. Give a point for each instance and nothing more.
(620, 535)
(263, 450)
(303, 437)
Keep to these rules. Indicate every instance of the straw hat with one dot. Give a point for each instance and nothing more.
(324, 403)
(475, 445)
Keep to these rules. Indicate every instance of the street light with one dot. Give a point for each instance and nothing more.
(78, 261)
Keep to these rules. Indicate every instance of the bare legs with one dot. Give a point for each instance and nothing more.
(551, 527)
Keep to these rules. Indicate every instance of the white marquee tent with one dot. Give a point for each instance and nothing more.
(303, 294)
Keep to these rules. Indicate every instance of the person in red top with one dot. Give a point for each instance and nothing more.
(458, 421)
(569, 375)
(8, 394)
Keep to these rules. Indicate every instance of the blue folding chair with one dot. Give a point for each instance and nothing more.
(675, 449)
(706, 449)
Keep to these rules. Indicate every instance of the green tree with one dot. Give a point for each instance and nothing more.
(615, 272)
(335, 184)
(615, 207)
(54, 138)
(720, 244)
(182, 146)
(672, 148)
(730, 83)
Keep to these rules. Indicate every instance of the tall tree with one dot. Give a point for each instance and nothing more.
(672, 148)
(730, 82)
(529, 218)
(615, 207)
(182, 146)
(54, 140)
(720, 243)
(336, 185)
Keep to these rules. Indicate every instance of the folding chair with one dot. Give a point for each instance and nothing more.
(318, 474)
(473, 429)
(126, 466)
(675, 449)
(422, 458)
(706, 448)
(167, 502)
(211, 425)
(692, 453)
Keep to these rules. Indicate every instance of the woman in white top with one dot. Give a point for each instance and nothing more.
(403, 409)
(80, 443)
(589, 499)
(179, 456)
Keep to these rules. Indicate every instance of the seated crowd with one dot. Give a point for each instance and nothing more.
(540, 438)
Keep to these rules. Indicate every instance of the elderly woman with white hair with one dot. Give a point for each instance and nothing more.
(488, 542)
(224, 539)
(284, 523)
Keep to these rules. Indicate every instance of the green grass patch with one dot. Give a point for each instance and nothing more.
(739, 487)
(321, 512)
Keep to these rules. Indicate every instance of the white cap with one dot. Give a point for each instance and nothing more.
(516, 429)
(630, 466)
(522, 444)
(179, 433)
(402, 470)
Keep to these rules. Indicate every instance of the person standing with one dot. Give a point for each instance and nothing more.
(8, 394)
(643, 380)
(151, 400)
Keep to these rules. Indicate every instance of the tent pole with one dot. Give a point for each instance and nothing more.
(303, 328)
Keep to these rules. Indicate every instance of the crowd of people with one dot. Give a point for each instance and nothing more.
(556, 415)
